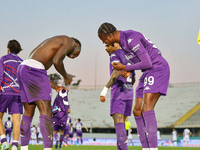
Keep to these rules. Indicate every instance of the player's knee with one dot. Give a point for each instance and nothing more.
(137, 112)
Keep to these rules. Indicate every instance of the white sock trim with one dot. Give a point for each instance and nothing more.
(15, 141)
(24, 147)
(145, 148)
(153, 149)
(3, 136)
(47, 148)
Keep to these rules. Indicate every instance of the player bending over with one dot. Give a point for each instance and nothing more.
(121, 94)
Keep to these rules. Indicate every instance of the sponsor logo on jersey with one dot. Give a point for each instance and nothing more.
(135, 48)
(129, 40)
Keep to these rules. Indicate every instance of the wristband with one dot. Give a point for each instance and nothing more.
(104, 91)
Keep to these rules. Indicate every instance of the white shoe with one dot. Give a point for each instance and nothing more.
(14, 147)
(5, 146)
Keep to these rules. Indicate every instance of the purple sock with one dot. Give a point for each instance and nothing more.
(65, 139)
(81, 141)
(15, 143)
(55, 135)
(46, 126)
(151, 128)
(25, 130)
(121, 135)
(141, 131)
(118, 148)
(77, 141)
(3, 140)
(61, 140)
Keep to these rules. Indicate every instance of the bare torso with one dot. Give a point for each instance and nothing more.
(46, 51)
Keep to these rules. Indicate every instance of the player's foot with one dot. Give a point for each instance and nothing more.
(56, 146)
(14, 147)
(5, 146)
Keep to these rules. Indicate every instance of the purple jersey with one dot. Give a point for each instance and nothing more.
(68, 122)
(60, 108)
(8, 74)
(71, 130)
(122, 88)
(136, 44)
(78, 127)
(8, 125)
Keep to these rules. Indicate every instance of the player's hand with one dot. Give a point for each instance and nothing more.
(59, 88)
(68, 79)
(119, 66)
(125, 74)
(102, 98)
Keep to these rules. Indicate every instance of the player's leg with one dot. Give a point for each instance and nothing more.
(141, 129)
(55, 135)
(5, 145)
(46, 124)
(77, 136)
(16, 129)
(61, 138)
(25, 126)
(120, 131)
(148, 114)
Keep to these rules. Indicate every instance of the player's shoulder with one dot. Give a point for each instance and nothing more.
(131, 34)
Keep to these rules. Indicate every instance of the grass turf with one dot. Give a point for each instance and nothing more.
(84, 147)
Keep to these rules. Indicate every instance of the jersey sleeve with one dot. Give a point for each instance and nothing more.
(1, 70)
(136, 45)
(114, 59)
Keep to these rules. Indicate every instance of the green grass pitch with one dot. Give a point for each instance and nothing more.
(84, 147)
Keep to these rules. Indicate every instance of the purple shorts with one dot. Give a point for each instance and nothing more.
(8, 131)
(12, 103)
(156, 80)
(58, 127)
(78, 134)
(70, 135)
(121, 107)
(34, 84)
(66, 132)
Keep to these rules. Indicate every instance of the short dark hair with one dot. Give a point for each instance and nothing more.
(8, 118)
(106, 29)
(14, 46)
(79, 119)
(76, 40)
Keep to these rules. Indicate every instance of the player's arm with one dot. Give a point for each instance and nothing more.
(145, 63)
(67, 47)
(190, 134)
(1, 70)
(85, 128)
(56, 87)
(69, 110)
(114, 76)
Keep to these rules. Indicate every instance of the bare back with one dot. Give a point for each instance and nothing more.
(58, 46)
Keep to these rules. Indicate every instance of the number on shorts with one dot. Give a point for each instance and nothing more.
(149, 80)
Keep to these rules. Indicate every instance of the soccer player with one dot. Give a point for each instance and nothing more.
(35, 87)
(33, 135)
(9, 92)
(60, 110)
(8, 126)
(159, 138)
(71, 133)
(186, 136)
(152, 84)
(66, 134)
(174, 137)
(78, 127)
(121, 94)
(127, 126)
(130, 137)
